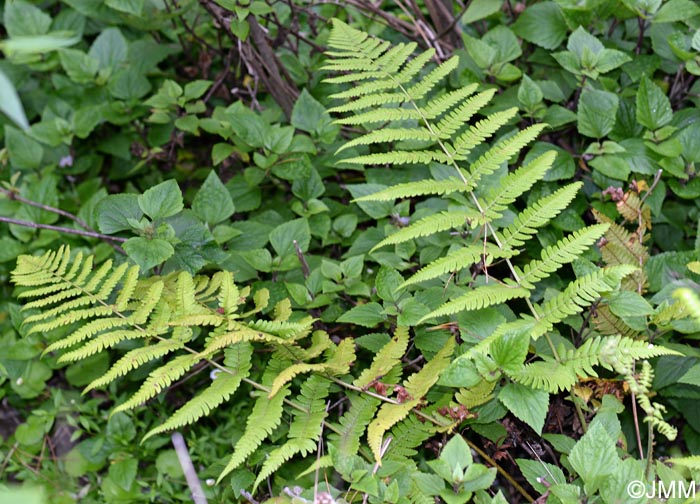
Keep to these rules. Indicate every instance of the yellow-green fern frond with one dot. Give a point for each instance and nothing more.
(563, 252)
(412, 189)
(386, 359)
(224, 385)
(516, 184)
(537, 215)
(457, 260)
(430, 225)
(305, 429)
(480, 297)
(579, 294)
(417, 385)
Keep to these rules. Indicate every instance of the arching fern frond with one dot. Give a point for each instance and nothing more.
(305, 428)
(579, 294)
(224, 385)
(386, 359)
(417, 385)
(563, 252)
(480, 297)
(456, 261)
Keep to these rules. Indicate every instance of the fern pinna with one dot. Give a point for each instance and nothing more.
(412, 120)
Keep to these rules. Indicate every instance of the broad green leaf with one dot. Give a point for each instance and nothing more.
(115, 211)
(629, 304)
(457, 453)
(310, 116)
(366, 315)
(283, 236)
(213, 202)
(161, 201)
(596, 113)
(148, 253)
(510, 350)
(529, 405)
(221, 151)
(38, 44)
(109, 48)
(676, 10)
(10, 104)
(123, 472)
(529, 93)
(594, 457)
(387, 282)
(542, 24)
(133, 7)
(612, 166)
(196, 89)
(25, 152)
(128, 84)
(22, 19)
(580, 40)
(653, 106)
(80, 67)
(480, 9)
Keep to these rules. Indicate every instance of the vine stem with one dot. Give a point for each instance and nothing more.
(88, 231)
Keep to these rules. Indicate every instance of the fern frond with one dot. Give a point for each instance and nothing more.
(606, 322)
(578, 295)
(412, 189)
(457, 260)
(388, 135)
(388, 357)
(477, 395)
(489, 162)
(352, 425)
(406, 436)
(102, 342)
(537, 215)
(134, 359)
(550, 375)
(517, 183)
(456, 119)
(478, 133)
(401, 157)
(282, 329)
(224, 385)
(439, 105)
(381, 115)
(305, 428)
(265, 418)
(563, 252)
(430, 225)
(369, 101)
(338, 364)
(428, 82)
(417, 385)
(480, 297)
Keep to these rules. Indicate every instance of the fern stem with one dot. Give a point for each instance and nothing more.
(500, 470)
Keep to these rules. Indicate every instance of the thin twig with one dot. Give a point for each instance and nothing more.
(60, 229)
(183, 456)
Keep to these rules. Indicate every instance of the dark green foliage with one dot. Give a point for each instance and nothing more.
(418, 243)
